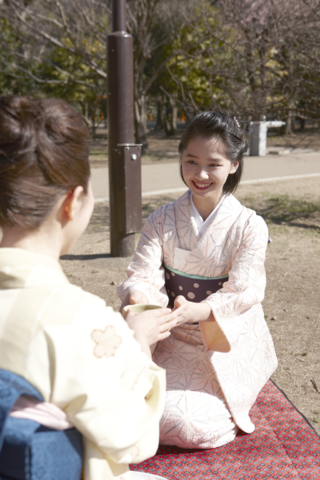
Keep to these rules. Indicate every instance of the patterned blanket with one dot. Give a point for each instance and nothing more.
(283, 446)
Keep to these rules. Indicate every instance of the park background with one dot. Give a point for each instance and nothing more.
(250, 58)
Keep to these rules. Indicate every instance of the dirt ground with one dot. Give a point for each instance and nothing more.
(292, 302)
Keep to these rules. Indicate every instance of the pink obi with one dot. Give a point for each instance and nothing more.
(45, 413)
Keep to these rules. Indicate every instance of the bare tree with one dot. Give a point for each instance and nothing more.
(252, 58)
(59, 48)
(77, 31)
(249, 57)
(77, 27)
(154, 25)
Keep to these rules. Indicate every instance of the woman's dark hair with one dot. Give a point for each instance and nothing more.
(224, 128)
(43, 155)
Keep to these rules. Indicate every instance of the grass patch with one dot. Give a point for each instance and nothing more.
(146, 207)
(98, 152)
(287, 209)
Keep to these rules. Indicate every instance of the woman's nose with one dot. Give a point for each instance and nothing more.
(202, 173)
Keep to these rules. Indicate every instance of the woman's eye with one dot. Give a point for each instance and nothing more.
(191, 162)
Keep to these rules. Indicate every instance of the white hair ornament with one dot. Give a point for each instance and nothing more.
(237, 123)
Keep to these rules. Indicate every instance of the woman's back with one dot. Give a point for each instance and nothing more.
(34, 294)
(80, 355)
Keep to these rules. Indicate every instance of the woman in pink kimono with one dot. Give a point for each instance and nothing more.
(203, 255)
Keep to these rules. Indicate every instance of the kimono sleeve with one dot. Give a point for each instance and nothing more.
(145, 272)
(111, 391)
(246, 284)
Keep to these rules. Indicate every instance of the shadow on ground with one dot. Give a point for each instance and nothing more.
(285, 210)
(94, 256)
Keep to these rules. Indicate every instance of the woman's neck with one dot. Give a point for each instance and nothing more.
(206, 205)
(33, 240)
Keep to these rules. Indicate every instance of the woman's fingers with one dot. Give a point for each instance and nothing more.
(134, 297)
(154, 324)
(179, 301)
(165, 318)
(165, 315)
(159, 312)
(164, 335)
(168, 325)
(124, 304)
(130, 314)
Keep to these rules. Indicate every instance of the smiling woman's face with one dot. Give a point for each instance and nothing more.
(205, 168)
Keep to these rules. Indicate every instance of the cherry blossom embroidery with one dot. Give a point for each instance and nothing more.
(106, 342)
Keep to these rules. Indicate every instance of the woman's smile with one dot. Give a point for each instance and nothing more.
(201, 186)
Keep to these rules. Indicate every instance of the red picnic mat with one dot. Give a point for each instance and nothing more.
(283, 446)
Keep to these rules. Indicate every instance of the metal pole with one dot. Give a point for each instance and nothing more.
(124, 156)
(119, 16)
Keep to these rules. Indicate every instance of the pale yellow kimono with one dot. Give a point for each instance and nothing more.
(218, 371)
(83, 358)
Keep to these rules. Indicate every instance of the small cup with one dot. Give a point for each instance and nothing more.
(139, 308)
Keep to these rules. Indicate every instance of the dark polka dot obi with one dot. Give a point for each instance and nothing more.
(194, 288)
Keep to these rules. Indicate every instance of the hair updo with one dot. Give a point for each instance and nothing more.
(43, 155)
(224, 128)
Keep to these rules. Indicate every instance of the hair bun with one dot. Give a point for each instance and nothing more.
(43, 153)
(18, 123)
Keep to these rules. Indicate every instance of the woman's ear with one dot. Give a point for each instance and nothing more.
(72, 203)
(181, 174)
(234, 167)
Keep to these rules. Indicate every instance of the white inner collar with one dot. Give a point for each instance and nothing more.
(200, 223)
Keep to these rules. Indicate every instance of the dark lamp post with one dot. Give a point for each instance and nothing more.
(124, 155)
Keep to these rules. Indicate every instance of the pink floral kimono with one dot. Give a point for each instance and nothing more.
(215, 370)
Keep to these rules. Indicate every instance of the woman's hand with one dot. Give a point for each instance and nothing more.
(190, 312)
(152, 325)
(134, 297)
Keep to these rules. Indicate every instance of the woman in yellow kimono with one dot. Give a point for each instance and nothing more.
(204, 255)
(83, 364)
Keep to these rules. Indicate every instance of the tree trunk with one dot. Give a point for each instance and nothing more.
(140, 122)
(289, 123)
(93, 126)
(85, 113)
(287, 128)
(302, 122)
(159, 123)
(170, 125)
(174, 118)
